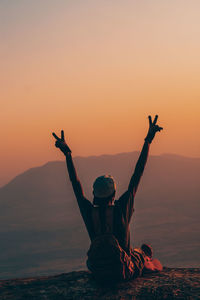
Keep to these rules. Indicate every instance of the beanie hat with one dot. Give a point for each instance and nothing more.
(104, 186)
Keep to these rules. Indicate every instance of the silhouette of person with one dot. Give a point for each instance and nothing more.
(104, 189)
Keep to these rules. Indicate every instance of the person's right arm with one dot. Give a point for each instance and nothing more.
(83, 203)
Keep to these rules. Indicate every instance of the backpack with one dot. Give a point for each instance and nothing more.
(106, 259)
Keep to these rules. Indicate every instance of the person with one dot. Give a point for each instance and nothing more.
(108, 220)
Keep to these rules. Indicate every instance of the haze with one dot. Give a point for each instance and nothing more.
(97, 69)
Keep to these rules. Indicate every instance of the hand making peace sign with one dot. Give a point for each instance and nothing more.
(61, 144)
(153, 128)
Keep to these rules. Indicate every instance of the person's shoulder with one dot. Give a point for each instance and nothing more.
(117, 206)
(125, 197)
(87, 203)
(117, 203)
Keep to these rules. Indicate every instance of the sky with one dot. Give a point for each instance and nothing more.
(97, 69)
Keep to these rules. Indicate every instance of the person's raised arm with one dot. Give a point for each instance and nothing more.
(78, 191)
(135, 179)
(126, 200)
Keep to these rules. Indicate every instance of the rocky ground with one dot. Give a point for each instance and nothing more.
(169, 284)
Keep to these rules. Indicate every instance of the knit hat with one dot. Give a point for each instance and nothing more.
(104, 186)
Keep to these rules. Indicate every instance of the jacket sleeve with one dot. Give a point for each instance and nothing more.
(126, 201)
(83, 203)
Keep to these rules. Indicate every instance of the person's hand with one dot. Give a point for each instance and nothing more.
(61, 144)
(153, 128)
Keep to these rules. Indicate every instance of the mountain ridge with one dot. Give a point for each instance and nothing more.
(40, 222)
(101, 156)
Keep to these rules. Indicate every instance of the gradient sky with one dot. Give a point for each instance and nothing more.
(97, 69)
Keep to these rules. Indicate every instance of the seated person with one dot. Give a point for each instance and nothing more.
(108, 220)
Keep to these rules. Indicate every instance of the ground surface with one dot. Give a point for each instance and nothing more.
(169, 284)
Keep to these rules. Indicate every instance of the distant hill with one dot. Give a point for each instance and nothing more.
(42, 232)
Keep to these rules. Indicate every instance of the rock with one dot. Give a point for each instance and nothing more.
(171, 283)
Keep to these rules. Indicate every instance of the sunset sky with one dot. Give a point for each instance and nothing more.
(97, 69)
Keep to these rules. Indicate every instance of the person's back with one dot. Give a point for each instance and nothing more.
(105, 213)
(106, 258)
(116, 214)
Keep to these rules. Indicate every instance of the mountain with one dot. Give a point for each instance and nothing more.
(42, 232)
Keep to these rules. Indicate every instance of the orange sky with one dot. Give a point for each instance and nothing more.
(97, 69)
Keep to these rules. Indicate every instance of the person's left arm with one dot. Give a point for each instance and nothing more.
(126, 201)
(135, 179)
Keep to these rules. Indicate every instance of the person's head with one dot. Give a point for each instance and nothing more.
(147, 249)
(104, 189)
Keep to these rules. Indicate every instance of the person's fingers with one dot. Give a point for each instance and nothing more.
(56, 137)
(155, 120)
(62, 135)
(56, 144)
(150, 121)
(158, 128)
